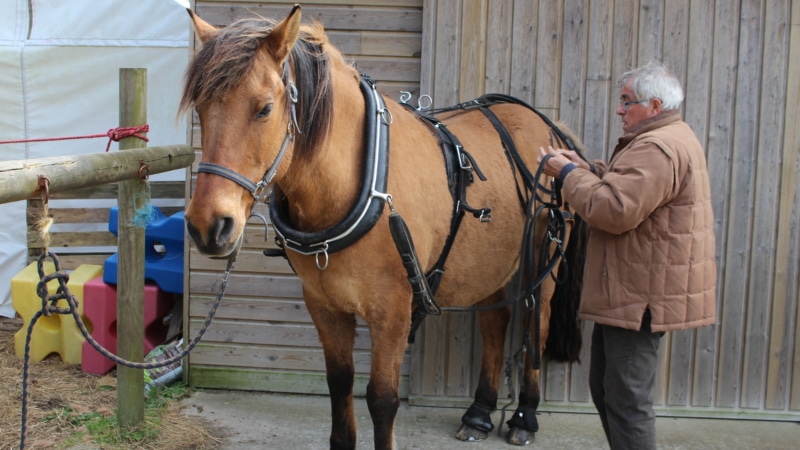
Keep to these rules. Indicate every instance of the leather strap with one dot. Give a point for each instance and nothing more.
(369, 205)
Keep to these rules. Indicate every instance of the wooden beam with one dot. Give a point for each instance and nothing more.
(19, 180)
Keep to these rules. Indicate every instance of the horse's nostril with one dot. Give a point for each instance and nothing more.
(216, 237)
(222, 231)
(193, 233)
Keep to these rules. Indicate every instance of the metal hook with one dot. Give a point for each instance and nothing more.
(266, 224)
(144, 170)
(44, 186)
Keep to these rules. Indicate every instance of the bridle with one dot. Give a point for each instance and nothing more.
(258, 190)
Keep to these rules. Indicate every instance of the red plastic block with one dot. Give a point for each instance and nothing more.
(100, 309)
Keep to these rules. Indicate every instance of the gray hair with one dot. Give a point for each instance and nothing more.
(653, 80)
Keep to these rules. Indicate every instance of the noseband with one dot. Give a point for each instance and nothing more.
(257, 189)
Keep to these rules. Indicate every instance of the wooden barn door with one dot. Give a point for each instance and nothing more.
(739, 61)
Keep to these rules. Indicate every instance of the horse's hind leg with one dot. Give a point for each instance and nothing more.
(523, 425)
(477, 421)
(337, 334)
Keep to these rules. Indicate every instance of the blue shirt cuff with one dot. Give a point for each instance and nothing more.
(566, 171)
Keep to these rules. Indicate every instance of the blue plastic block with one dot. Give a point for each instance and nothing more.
(163, 253)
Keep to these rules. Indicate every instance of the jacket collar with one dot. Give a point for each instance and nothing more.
(663, 119)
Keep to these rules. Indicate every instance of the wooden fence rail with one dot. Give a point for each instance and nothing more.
(19, 180)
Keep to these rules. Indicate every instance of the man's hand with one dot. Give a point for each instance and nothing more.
(560, 158)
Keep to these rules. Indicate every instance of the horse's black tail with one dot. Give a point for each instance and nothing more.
(564, 340)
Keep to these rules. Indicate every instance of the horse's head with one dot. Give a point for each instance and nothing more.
(243, 90)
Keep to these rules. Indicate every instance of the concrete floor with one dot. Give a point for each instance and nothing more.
(251, 420)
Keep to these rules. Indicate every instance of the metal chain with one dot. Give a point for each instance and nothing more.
(49, 306)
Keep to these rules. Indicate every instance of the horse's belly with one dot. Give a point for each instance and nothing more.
(484, 258)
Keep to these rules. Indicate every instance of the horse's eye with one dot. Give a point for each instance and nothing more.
(265, 111)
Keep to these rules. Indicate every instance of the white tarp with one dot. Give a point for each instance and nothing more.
(59, 76)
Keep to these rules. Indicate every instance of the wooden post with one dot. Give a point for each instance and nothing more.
(130, 276)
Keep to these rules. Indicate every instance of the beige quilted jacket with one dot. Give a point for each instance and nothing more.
(651, 239)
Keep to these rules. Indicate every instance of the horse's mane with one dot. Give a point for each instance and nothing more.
(564, 128)
(225, 60)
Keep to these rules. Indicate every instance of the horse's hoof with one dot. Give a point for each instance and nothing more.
(519, 436)
(467, 433)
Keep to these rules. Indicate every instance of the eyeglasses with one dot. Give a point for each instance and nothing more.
(625, 105)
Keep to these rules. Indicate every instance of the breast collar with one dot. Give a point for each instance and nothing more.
(369, 205)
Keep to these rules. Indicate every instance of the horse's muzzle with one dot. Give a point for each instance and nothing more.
(218, 241)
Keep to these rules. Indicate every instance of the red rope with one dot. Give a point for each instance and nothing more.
(114, 134)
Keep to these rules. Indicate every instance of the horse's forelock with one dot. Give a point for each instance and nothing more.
(225, 60)
(222, 62)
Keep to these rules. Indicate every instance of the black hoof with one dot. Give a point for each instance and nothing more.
(522, 426)
(519, 436)
(469, 434)
(479, 417)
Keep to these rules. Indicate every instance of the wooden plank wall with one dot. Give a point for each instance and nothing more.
(79, 234)
(739, 61)
(262, 337)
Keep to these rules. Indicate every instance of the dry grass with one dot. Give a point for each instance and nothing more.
(62, 397)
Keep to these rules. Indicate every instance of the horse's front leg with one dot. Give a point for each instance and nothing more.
(389, 334)
(477, 422)
(337, 334)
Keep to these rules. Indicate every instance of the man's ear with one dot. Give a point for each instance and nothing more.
(655, 106)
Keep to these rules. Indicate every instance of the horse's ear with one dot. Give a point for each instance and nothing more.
(205, 31)
(282, 38)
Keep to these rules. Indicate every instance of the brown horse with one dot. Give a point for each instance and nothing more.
(278, 98)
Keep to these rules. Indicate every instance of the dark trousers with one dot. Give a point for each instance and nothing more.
(622, 372)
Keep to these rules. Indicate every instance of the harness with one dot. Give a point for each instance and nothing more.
(369, 205)
(460, 166)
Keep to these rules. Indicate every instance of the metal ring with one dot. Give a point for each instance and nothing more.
(144, 170)
(292, 92)
(428, 102)
(386, 116)
(316, 258)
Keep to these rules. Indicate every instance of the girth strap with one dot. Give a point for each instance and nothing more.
(460, 167)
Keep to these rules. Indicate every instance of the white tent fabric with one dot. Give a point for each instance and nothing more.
(59, 76)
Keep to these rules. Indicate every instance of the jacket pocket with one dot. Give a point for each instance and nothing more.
(611, 274)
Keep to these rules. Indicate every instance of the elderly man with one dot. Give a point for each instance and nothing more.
(650, 264)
